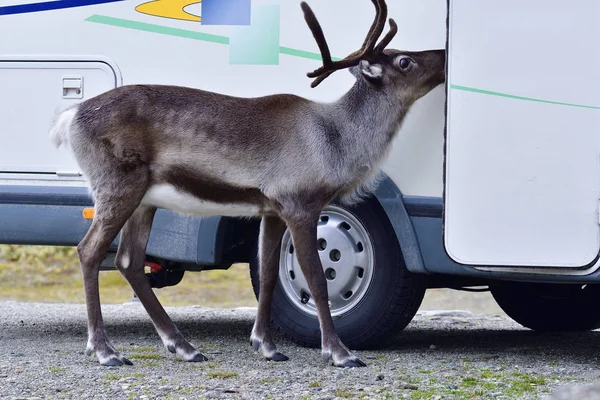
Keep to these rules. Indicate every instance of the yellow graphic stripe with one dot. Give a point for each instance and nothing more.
(169, 9)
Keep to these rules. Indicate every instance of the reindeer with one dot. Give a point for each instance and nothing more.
(282, 158)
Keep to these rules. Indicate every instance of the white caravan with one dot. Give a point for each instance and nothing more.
(493, 181)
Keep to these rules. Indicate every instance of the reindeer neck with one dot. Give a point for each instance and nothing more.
(367, 118)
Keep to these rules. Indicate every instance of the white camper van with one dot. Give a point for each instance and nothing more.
(493, 182)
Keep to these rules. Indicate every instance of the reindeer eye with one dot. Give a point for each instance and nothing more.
(404, 62)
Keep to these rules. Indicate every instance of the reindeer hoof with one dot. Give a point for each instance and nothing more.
(108, 358)
(115, 362)
(348, 363)
(278, 357)
(199, 358)
(353, 363)
(255, 344)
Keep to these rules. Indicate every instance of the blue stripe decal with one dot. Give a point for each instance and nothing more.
(50, 5)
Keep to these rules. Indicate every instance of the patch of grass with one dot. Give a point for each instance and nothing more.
(52, 274)
(382, 357)
(56, 370)
(112, 377)
(139, 375)
(423, 394)
(509, 384)
(146, 356)
(470, 382)
(141, 349)
(315, 384)
(343, 394)
(487, 374)
(208, 365)
(517, 389)
(531, 379)
(409, 379)
(221, 375)
(523, 383)
(489, 386)
(151, 364)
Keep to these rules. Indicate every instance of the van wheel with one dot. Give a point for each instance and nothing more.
(550, 307)
(371, 293)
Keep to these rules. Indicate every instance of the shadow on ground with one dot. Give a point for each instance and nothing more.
(469, 338)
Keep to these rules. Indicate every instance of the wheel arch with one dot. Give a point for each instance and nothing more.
(390, 198)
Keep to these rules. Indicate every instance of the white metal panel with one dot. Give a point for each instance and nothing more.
(30, 93)
(523, 133)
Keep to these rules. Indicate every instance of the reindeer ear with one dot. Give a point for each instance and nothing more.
(370, 71)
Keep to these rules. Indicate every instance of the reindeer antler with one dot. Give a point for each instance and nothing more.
(368, 49)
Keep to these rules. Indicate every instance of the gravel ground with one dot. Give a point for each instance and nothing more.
(442, 354)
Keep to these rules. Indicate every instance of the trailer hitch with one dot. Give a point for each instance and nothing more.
(160, 277)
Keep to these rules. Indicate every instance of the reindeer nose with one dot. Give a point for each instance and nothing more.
(441, 54)
(441, 59)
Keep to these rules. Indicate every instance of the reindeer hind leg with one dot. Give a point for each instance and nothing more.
(110, 216)
(130, 261)
(117, 194)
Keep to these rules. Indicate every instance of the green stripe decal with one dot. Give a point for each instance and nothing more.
(510, 96)
(299, 53)
(303, 54)
(164, 30)
(205, 37)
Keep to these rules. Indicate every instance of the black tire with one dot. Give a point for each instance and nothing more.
(550, 307)
(389, 304)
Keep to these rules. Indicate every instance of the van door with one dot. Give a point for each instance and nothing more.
(31, 90)
(522, 157)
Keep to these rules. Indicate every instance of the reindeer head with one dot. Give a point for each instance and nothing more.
(406, 75)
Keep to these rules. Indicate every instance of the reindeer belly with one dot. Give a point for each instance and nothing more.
(168, 196)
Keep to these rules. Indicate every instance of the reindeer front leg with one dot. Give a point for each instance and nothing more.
(271, 231)
(303, 227)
